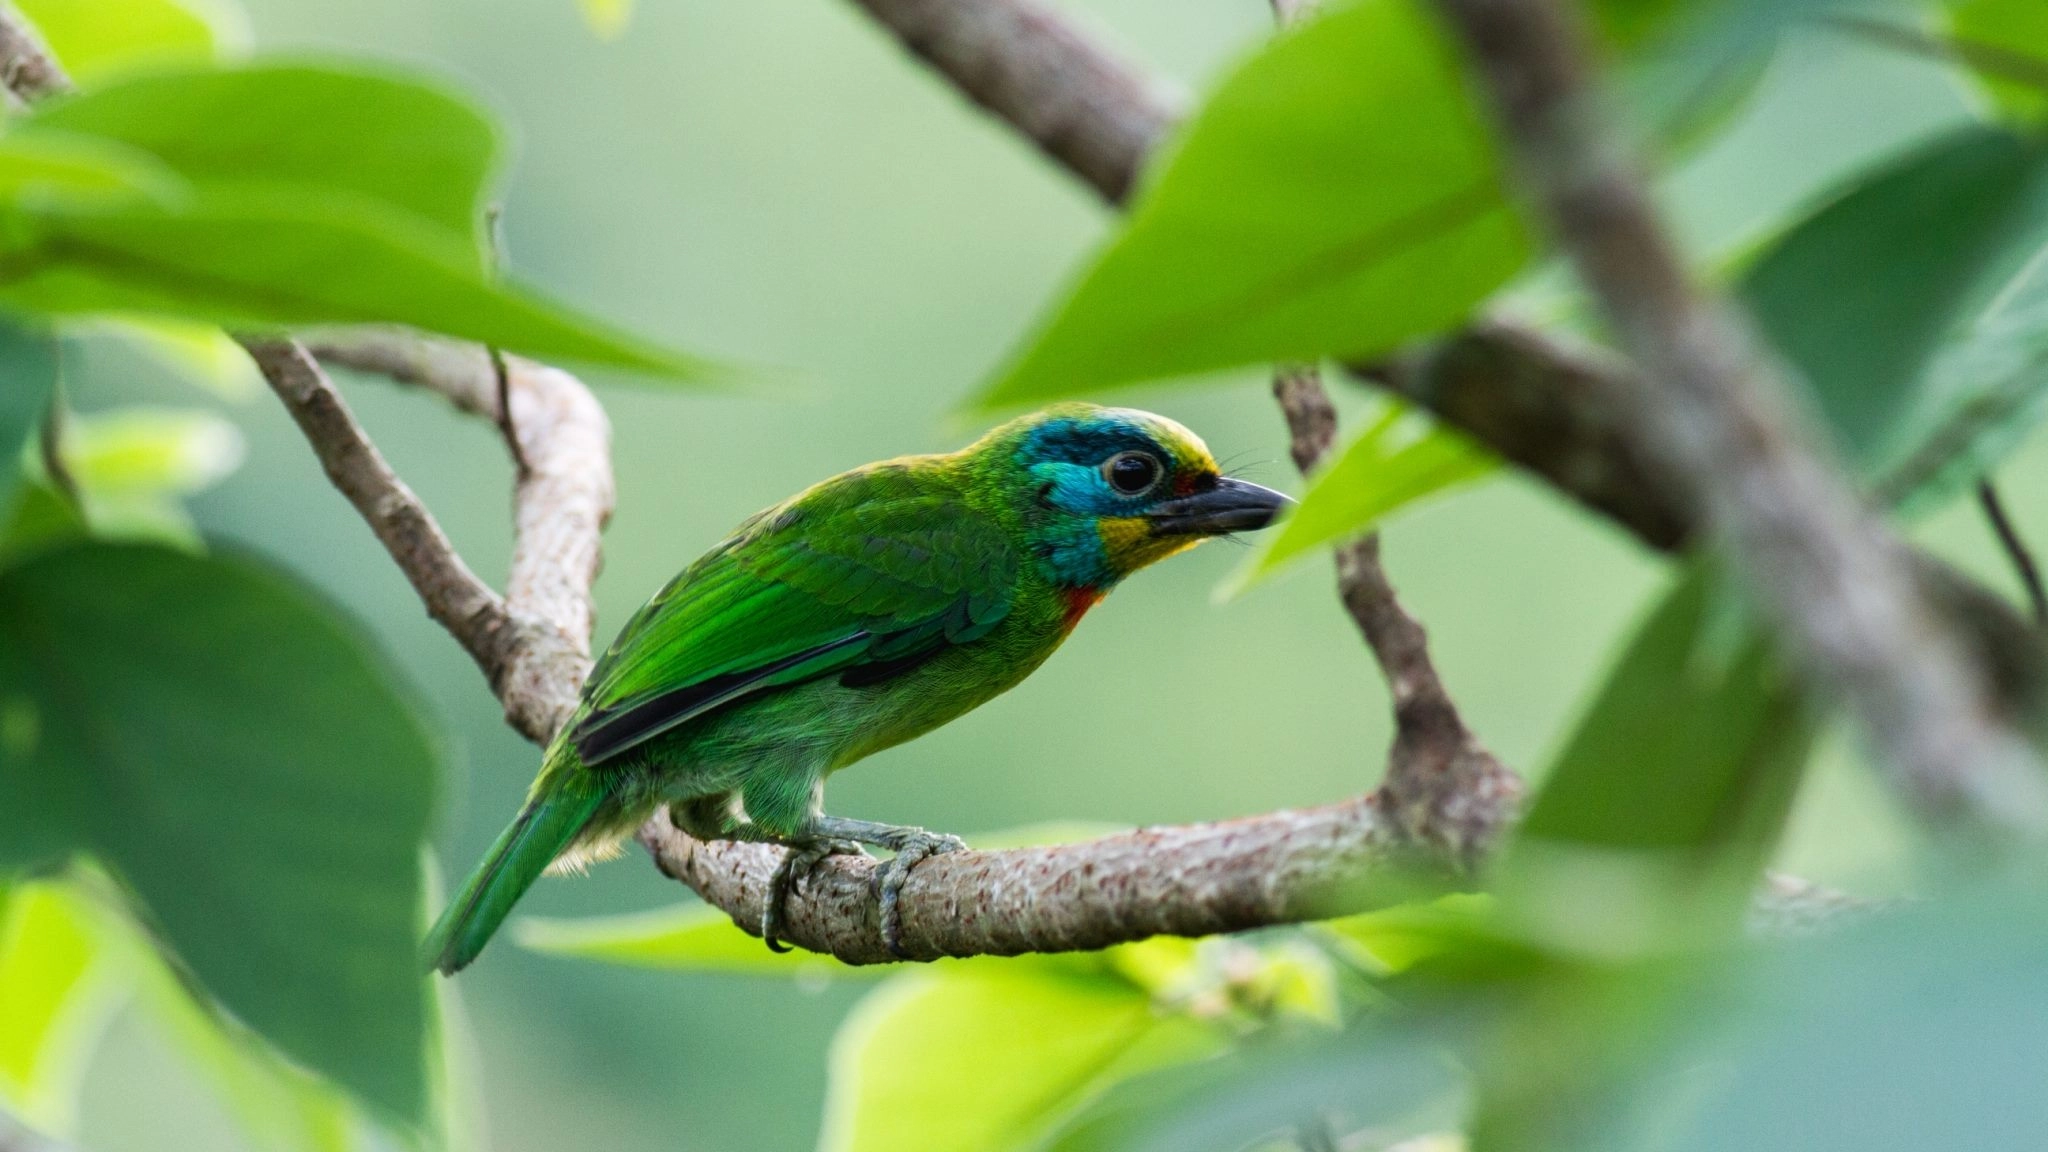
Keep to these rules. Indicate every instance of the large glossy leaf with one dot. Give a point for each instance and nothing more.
(238, 758)
(97, 38)
(986, 1058)
(1862, 295)
(1399, 459)
(1666, 801)
(1338, 194)
(28, 375)
(61, 980)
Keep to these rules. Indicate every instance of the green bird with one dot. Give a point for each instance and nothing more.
(861, 613)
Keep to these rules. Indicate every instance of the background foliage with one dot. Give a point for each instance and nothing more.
(777, 183)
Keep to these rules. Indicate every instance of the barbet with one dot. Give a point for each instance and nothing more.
(857, 615)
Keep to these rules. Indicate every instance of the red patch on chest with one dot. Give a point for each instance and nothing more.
(1079, 601)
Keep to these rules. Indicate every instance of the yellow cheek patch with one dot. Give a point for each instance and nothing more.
(1129, 544)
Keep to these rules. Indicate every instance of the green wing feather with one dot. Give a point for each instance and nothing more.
(867, 572)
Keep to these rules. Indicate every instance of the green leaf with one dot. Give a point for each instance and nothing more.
(41, 520)
(985, 1058)
(28, 376)
(240, 759)
(1669, 796)
(61, 981)
(1399, 459)
(607, 18)
(131, 465)
(2015, 33)
(396, 138)
(277, 196)
(1985, 394)
(1367, 1089)
(96, 38)
(1863, 295)
(271, 258)
(1339, 194)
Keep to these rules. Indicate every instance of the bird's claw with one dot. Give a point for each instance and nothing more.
(791, 872)
(915, 845)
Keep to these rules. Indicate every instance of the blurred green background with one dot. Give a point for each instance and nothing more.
(777, 182)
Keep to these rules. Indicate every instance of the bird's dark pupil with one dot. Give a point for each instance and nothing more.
(1133, 473)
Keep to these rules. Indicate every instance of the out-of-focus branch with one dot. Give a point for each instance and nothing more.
(1048, 77)
(1823, 567)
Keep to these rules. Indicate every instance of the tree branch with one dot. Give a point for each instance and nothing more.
(562, 501)
(1821, 566)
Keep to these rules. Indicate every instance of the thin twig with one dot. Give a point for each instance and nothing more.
(1823, 568)
(2015, 548)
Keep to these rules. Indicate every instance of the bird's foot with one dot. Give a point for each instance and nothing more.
(912, 847)
(790, 874)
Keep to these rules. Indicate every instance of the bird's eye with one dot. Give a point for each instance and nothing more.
(1131, 473)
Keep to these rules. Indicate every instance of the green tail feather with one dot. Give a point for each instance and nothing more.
(548, 824)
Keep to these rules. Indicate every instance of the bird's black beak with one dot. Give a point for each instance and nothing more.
(1229, 506)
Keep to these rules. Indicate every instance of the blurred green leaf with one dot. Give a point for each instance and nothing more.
(400, 139)
(1377, 1084)
(1669, 796)
(143, 449)
(279, 196)
(985, 1058)
(28, 378)
(1863, 295)
(2015, 34)
(61, 981)
(1915, 1029)
(607, 18)
(1400, 458)
(271, 257)
(95, 38)
(280, 1106)
(1337, 195)
(131, 465)
(42, 519)
(237, 756)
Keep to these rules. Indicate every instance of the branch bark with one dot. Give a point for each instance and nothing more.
(538, 652)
